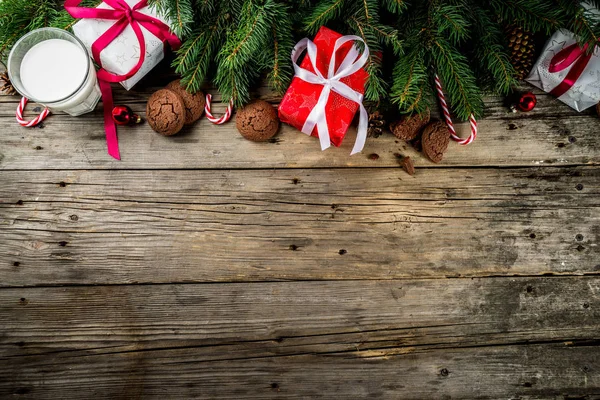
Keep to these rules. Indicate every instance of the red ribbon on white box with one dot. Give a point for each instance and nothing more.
(571, 56)
(349, 65)
(124, 15)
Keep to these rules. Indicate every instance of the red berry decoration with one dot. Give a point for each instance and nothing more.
(527, 102)
(123, 115)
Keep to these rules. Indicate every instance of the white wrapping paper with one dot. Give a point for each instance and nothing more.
(120, 56)
(585, 92)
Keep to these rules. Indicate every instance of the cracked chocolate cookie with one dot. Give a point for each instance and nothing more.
(194, 102)
(257, 121)
(165, 112)
(435, 139)
(409, 127)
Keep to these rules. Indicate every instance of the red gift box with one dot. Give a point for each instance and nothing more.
(302, 96)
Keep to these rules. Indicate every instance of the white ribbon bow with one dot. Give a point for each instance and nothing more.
(348, 66)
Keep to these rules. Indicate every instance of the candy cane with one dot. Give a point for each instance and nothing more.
(448, 118)
(224, 118)
(34, 121)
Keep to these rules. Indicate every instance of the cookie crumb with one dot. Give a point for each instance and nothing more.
(407, 165)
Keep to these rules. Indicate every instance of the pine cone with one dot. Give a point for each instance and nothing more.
(376, 123)
(6, 86)
(522, 50)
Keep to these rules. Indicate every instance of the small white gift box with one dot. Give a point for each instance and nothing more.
(585, 91)
(123, 53)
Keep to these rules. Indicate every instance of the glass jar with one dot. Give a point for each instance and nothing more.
(53, 73)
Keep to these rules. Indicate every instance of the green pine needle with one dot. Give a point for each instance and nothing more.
(236, 43)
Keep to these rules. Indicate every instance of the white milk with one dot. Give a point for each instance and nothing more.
(53, 70)
(57, 73)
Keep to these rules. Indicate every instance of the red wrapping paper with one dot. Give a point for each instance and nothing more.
(302, 96)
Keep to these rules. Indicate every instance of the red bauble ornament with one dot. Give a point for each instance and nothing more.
(527, 102)
(123, 115)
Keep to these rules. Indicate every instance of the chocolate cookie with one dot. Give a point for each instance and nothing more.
(409, 127)
(257, 121)
(407, 164)
(194, 102)
(435, 139)
(165, 112)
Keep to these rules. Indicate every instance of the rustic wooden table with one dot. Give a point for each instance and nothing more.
(207, 266)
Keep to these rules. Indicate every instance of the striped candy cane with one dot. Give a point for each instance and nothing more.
(221, 120)
(448, 118)
(34, 121)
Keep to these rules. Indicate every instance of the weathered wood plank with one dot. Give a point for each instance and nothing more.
(452, 338)
(192, 226)
(540, 371)
(553, 134)
(344, 315)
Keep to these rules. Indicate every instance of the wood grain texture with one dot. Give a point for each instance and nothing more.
(205, 266)
(415, 339)
(553, 134)
(537, 371)
(90, 227)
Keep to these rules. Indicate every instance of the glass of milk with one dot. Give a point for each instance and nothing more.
(52, 67)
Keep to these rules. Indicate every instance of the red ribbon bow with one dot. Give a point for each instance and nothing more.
(572, 55)
(124, 15)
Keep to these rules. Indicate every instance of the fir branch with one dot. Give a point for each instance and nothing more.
(205, 5)
(375, 88)
(418, 105)
(388, 36)
(584, 23)
(322, 13)
(366, 10)
(64, 20)
(238, 40)
(195, 56)
(532, 15)
(494, 61)
(281, 47)
(501, 69)
(249, 40)
(17, 17)
(8, 43)
(276, 72)
(452, 21)
(394, 6)
(179, 23)
(410, 79)
(458, 79)
(179, 13)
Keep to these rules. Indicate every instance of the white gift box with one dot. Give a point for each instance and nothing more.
(585, 92)
(123, 53)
